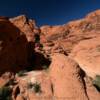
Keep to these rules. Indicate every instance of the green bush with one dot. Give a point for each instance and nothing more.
(45, 67)
(5, 93)
(35, 86)
(21, 73)
(30, 85)
(96, 82)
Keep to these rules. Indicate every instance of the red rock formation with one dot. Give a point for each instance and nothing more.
(72, 48)
(68, 35)
(87, 55)
(66, 79)
(13, 47)
(27, 26)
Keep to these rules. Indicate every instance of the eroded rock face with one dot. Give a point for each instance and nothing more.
(66, 79)
(68, 35)
(87, 55)
(27, 26)
(72, 48)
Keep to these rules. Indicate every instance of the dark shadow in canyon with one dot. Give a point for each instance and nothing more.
(36, 60)
(18, 54)
(13, 46)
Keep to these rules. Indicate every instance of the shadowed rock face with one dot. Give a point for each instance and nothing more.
(61, 60)
(17, 40)
(13, 47)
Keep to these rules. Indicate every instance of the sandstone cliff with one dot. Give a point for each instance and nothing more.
(50, 62)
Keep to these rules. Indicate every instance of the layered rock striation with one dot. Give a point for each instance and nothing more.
(49, 62)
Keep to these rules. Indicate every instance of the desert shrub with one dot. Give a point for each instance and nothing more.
(45, 67)
(96, 82)
(37, 38)
(30, 85)
(35, 87)
(86, 26)
(5, 93)
(21, 73)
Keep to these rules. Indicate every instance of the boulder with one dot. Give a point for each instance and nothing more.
(66, 79)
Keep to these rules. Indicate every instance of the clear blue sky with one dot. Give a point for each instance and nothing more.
(50, 12)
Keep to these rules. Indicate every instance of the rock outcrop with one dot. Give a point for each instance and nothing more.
(51, 62)
(27, 26)
(67, 79)
(87, 55)
(13, 47)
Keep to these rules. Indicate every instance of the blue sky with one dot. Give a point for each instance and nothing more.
(52, 12)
